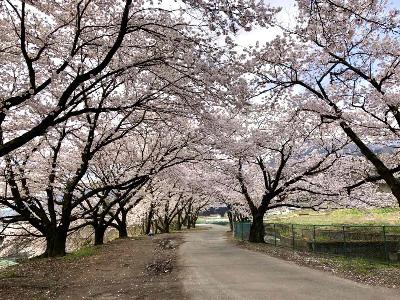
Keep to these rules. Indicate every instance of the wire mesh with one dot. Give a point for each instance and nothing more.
(366, 241)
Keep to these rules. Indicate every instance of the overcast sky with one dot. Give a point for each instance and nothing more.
(263, 35)
(286, 16)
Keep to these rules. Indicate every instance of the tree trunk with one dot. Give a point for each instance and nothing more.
(122, 231)
(235, 218)
(189, 216)
(149, 220)
(193, 221)
(99, 232)
(56, 241)
(257, 230)
(122, 225)
(230, 217)
(156, 226)
(179, 222)
(143, 227)
(166, 227)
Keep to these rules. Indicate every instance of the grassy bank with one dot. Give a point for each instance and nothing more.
(376, 216)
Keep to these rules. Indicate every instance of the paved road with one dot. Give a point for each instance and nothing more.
(215, 269)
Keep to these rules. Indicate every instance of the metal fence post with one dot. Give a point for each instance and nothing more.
(242, 231)
(313, 239)
(274, 234)
(293, 236)
(385, 243)
(344, 240)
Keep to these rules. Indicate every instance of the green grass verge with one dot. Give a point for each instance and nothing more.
(5, 274)
(82, 252)
(361, 265)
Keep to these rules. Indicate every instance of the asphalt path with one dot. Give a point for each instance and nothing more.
(212, 268)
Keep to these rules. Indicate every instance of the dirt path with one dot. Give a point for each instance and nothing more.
(213, 268)
(123, 269)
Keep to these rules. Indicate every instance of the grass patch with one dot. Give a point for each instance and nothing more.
(82, 252)
(6, 274)
(39, 297)
(361, 265)
(385, 210)
(376, 216)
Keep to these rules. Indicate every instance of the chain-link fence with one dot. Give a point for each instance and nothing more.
(241, 230)
(376, 242)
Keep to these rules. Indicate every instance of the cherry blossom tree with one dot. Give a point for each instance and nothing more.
(109, 174)
(44, 186)
(54, 54)
(79, 77)
(168, 202)
(343, 57)
(178, 195)
(279, 160)
(157, 148)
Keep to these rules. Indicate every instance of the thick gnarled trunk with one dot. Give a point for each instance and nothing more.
(257, 230)
(99, 233)
(122, 231)
(189, 222)
(122, 225)
(56, 241)
(166, 227)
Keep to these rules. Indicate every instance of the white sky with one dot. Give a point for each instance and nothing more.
(262, 35)
(286, 16)
(396, 3)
